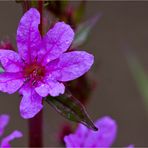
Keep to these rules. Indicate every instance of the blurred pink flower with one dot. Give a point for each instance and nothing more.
(65, 129)
(40, 66)
(4, 119)
(84, 137)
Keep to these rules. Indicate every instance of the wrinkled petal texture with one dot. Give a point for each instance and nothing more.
(10, 61)
(31, 102)
(5, 141)
(55, 42)
(4, 119)
(51, 87)
(11, 82)
(70, 65)
(87, 138)
(28, 35)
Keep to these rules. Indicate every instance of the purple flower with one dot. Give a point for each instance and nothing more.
(4, 119)
(84, 137)
(40, 67)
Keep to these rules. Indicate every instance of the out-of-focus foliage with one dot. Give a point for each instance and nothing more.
(83, 31)
(79, 12)
(139, 75)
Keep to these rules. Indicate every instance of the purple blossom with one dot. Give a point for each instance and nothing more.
(40, 67)
(4, 119)
(84, 137)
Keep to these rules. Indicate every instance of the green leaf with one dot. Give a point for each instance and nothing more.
(79, 11)
(71, 108)
(34, 3)
(139, 75)
(83, 31)
(64, 4)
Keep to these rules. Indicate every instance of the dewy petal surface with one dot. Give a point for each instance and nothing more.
(28, 35)
(6, 141)
(84, 137)
(51, 87)
(55, 42)
(4, 119)
(10, 61)
(11, 82)
(70, 65)
(31, 102)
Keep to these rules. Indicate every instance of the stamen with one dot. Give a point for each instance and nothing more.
(34, 72)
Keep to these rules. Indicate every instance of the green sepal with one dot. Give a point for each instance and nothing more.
(69, 107)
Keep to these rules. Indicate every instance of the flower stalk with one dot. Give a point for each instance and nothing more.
(36, 123)
(35, 130)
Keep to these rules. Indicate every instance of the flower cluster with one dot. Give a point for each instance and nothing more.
(4, 119)
(84, 137)
(41, 65)
(40, 68)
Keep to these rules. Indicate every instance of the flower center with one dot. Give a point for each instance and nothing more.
(34, 73)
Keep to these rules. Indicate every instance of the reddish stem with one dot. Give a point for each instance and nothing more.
(36, 123)
(35, 130)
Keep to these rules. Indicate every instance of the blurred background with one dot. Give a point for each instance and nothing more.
(116, 93)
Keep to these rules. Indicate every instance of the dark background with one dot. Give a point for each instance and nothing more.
(116, 94)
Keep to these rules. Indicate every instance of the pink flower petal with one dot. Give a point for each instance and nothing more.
(55, 42)
(31, 102)
(5, 141)
(72, 141)
(70, 65)
(51, 87)
(28, 36)
(10, 60)
(4, 119)
(11, 82)
(105, 135)
(77, 139)
(84, 137)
